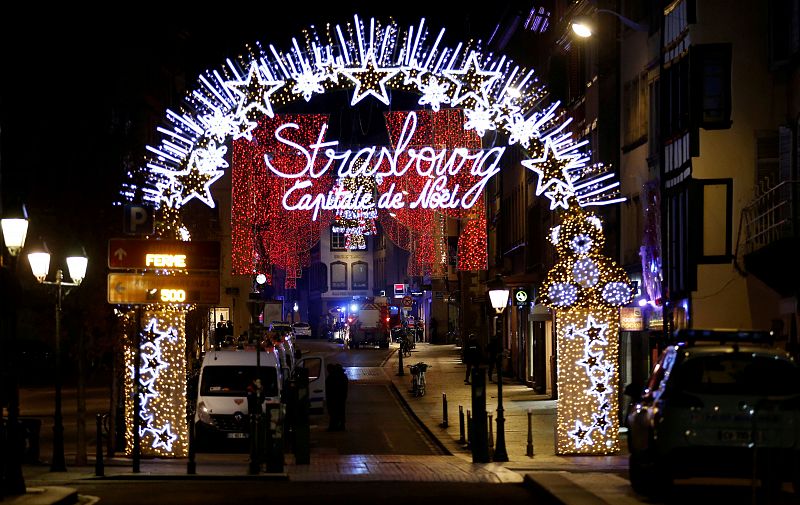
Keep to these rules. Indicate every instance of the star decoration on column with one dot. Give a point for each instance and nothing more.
(601, 422)
(474, 80)
(195, 183)
(254, 92)
(581, 434)
(163, 437)
(370, 80)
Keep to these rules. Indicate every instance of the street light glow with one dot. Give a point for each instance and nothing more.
(581, 28)
(14, 232)
(40, 264)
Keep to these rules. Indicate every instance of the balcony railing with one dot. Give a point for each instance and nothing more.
(771, 217)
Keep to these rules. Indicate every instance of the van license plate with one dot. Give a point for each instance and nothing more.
(237, 435)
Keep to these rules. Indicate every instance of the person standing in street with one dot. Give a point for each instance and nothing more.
(472, 355)
(343, 385)
(336, 385)
(492, 353)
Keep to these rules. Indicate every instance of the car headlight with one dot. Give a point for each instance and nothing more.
(204, 414)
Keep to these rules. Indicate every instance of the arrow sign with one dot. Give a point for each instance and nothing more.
(141, 254)
(139, 289)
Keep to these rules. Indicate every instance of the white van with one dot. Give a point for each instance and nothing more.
(222, 412)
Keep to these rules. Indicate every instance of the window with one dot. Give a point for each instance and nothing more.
(715, 199)
(636, 102)
(337, 241)
(338, 275)
(711, 85)
(360, 274)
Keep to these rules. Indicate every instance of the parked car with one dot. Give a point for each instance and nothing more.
(719, 403)
(301, 330)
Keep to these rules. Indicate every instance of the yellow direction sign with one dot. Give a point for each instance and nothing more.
(139, 289)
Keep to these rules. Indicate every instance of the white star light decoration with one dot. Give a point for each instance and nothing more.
(475, 80)
(254, 92)
(370, 80)
(152, 365)
(552, 175)
(599, 373)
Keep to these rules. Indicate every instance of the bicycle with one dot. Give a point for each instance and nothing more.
(405, 347)
(418, 378)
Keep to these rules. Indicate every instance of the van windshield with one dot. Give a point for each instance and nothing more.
(233, 380)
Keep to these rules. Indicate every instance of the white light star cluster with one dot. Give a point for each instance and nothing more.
(369, 60)
(162, 378)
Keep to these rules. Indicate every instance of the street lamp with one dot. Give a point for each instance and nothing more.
(498, 296)
(15, 228)
(583, 26)
(40, 266)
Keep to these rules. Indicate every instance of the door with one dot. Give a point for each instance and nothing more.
(316, 381)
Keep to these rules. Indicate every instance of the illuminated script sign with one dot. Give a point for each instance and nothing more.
(437, 167)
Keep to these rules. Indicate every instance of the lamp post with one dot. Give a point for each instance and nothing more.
(15, 228)
(583, 26)
(498, 295)
(40, 266)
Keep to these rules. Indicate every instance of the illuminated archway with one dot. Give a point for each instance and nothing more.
(463, 91)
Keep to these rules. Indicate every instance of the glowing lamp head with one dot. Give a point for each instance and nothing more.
(295, 307)
(40, 265)
(582, 27)
(498, 293)
(642, 302)
(261, 279)
(14, 231)
(353, 307)
(77, 267)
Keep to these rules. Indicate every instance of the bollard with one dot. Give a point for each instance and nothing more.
(461, 440)
(529, 451)
(469, 428)
(444, 411)
(99, 468)
(491, 435)
(191, 464)
(401, 373)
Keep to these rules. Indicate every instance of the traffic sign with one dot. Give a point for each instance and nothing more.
(407, 301)
(143, 254)
(522, 297)
(138, 289)
(138, 220)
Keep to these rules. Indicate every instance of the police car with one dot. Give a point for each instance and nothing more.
(718, 403)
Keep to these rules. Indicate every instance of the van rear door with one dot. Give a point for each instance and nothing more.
(316, 381)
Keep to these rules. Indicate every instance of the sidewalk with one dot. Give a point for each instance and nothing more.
(446, 376)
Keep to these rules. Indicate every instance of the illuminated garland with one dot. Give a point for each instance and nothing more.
(162, 378)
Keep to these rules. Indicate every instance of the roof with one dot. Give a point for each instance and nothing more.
(238, 358)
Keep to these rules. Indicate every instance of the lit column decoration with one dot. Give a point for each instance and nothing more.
(586, 290)
(162, 400)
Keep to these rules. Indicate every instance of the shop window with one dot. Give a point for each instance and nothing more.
(338, 275)
(360, 275)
